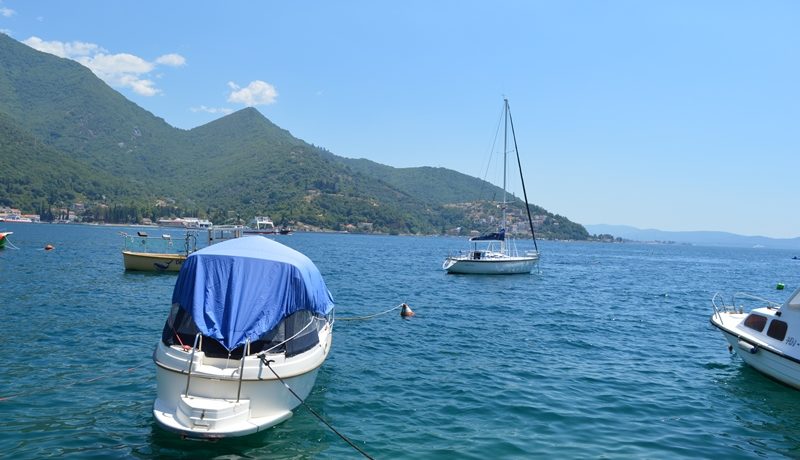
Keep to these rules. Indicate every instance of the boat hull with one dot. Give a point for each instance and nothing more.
(761, 356)
(152, 262)
(259, 232)
(216, 406)
(498, 266)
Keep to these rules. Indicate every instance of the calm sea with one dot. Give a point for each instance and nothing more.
(606, 352)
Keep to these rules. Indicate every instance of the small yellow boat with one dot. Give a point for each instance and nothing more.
(156, 253)
(150, 262)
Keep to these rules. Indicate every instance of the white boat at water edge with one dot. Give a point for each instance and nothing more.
(766, 337)
(496, 253)
(261, 225)
(16, 218)
(248, 315)
(185, 222)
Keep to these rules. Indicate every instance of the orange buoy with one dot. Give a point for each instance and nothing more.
(48, 247)
(405, 311)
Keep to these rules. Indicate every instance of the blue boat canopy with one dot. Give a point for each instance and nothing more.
(242, 288)
(498, 236)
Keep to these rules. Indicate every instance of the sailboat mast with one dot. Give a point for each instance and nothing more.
(505, 163)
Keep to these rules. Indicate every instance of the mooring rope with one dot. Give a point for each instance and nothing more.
(354, 318)
(71, 384)
(266, 363)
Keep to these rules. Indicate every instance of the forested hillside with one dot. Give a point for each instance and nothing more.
(68, 138)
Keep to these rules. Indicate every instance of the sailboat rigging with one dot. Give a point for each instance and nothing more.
(496, 252)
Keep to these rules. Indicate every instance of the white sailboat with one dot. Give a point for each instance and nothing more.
(496, 253)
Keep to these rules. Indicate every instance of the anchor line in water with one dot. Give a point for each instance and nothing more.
(354, 318)
(71, 384)
(10, 244)
(344, 438)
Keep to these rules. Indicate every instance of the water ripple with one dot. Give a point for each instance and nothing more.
(606, 352)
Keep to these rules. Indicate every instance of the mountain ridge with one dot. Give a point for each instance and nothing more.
(118, 155)
(698, 237)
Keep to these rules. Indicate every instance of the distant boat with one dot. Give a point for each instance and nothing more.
(4, 238)
(156, 253)
(185, 222)
(219, 233)
(496, 253)
(16, 218)
(250, 320)
(261, 225)
(764, 337)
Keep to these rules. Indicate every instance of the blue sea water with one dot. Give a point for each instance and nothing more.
(605, 352)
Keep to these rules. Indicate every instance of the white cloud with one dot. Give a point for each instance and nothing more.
(172, 59)
(122, 70)
(215, 110)
(141, 86)
(72, 50)
(256, 93)
(7, 12)
(117, 64)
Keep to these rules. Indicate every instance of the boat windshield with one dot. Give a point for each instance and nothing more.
(301, 328)
(794, 301)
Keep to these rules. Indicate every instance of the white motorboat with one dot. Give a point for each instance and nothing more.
(766, 337)
(250, 320)
(261, 225)
(496, 253)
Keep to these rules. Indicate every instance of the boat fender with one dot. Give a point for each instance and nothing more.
(405, 311)
(748, 347)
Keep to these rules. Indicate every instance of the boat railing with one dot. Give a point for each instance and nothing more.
(245, 352)
(142, 242)
(198, 342)
(218, 233)
(737, 299)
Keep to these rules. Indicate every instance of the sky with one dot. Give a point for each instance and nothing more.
(678, 115)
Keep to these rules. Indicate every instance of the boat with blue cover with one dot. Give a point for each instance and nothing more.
(250, 320)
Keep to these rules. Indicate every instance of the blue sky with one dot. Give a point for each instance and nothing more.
(678, 115)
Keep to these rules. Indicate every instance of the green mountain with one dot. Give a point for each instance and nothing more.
(56, 176)
(68, 137)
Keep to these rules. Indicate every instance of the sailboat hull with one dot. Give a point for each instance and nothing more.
(498, 266)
